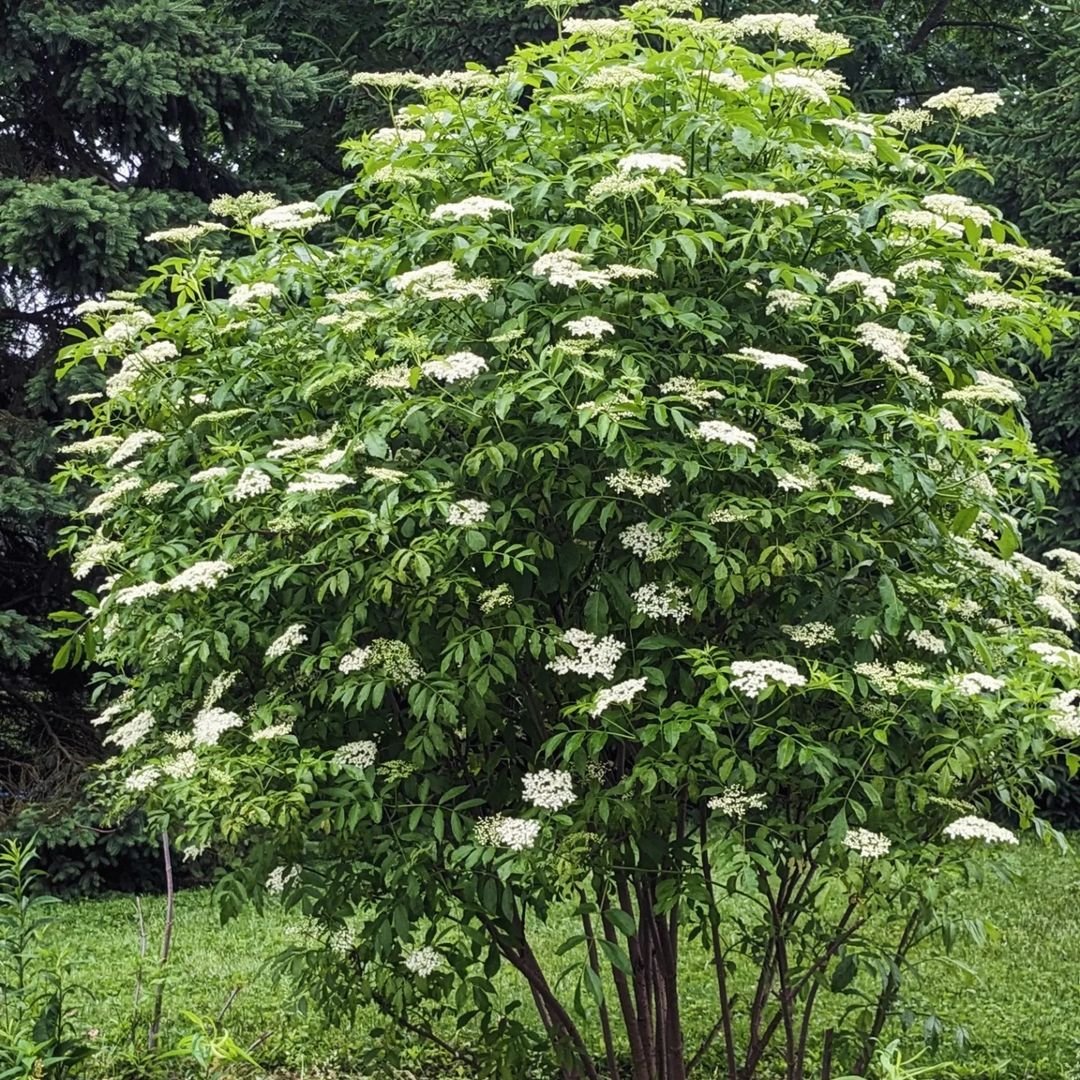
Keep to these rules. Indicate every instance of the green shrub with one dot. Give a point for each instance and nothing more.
(621, 514)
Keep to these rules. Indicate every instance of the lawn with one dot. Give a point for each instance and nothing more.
(1017, 998)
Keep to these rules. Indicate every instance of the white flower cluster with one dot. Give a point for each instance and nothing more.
(799, 82)
(394, 658)
(869, 495)
(626, 481)
(1055, 655)
(663, 601)
(514, 833)
(250, 295)
(599, 29)
(200, 575)
(475, 206)
(995, 300)
(502, 596)
(424, 961)
(219, 687)
(314, 482)
(565, 268)
(134, 731)
(622, 693)
(1038, 260)
(948, 421)
(590, 326)
(595, 656)
(252, 482)
(548, 789)
(923, 639)
(619, 186)
(156, 492)
(801, 478)
(356, 755)
(290, 217)
(810, 634)
(96, 551)
(736, 801)
(658, 163)
(184, 234)
(616, 77)
(455, 367)
(974, 682)
(986, 387)
(466, 512)
(917, 267)
(721, 431)
(143, 778)
(210, 724)
(134, 444)
(753, 676)
(876, 291)
(292, 637)
(1065, 714)
(787, 301)
(909, 119)
(727, 80)
(963, 101)
(776, 199)
(304, 444)
(1056, 611)
(789, 28)
(691, 389)
(646, 543)
(926, 219)
(99, 444)
(102, 307)
(272, 731)
(215, 472)
(977, 828)
(866, 843)
(957, 208)
(281, 877)
(183, 766)
(771, 361)
(440, 281)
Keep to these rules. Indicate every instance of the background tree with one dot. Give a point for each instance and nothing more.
(115, 118)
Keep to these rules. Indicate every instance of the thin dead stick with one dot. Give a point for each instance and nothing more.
(166, 942)
(141, 923)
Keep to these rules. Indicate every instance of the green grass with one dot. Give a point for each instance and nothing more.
(1018, 996)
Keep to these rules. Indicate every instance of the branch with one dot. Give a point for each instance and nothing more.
(927, 26)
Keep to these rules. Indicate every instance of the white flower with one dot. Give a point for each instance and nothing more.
(210, 724)
(215, 472)
(727, 80)
(455, 367)
(292, 637)
(986, 388)
(957, 207)
(423, 962)
(440, 281)
(663, 601)
(600, 29)
(108, 499)
(917, 267)
(948, 422)
(963, 101)
(467, 512)
(974, 682)
(102, 307)
(721, 431)
(304, 444)
(800, 83)
(753, 676)
(564, 268)
(589, 326)
(182, 767)
(516, 833)
(252, 482)
(474, 206)
(1055, 655)
(620, 694)
(293, 217)
(502, 596)
(640, 484)
(777, 199)
(395, 377)
(787, 301)
(1056, 611)
(317, 483)
(926, 219)
(549, 789)
(977, 828)
(909, 119)
(646, 543)
(134, 444)
(356, 755)
(867, 844)
(616, 77)
(95, 552)
(143, 778)
(661, 163)
(395, 658)
(272, 731)
(770, 360)
(595, 656)
(280, 877)
(128, 596)
(923, 639)
(877, 291)
(736, 801)
(99, 444)
(248, 296)
(1039, 260)
(200, 575)
(788, 28)
(184, 234)
(869, 495)
(810, 634)
(889, 343)
(133, 732)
